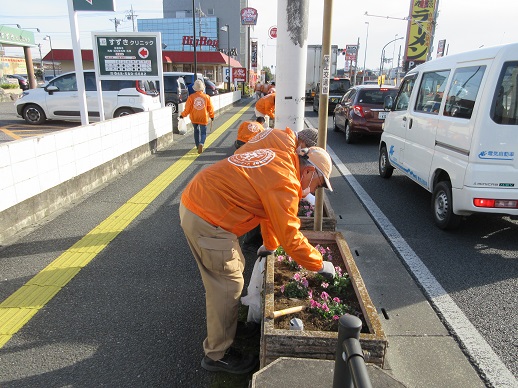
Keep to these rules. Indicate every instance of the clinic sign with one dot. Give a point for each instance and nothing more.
(93, 5)
(127, 55)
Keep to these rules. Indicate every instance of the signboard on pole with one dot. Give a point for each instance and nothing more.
(272, 32)
(127, 55)
(351, 51)
(419, 33)
(326, 73)
(94, 5)
(440, 48)
(239, 74)
(253, 61)
(249, 16)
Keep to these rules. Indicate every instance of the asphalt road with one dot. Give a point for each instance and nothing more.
(477, 264)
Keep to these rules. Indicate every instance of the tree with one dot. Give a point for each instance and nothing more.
(267, 74)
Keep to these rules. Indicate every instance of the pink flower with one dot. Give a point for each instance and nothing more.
(325, 285)
(296, 276)
(282, 289)
(325, 308)
(324, 295)
(304, 282)
(336, 317)
(336, 299)
(310, 294)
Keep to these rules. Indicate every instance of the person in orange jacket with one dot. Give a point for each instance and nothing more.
(226, 200)
(199, 108)
(265, 107)
(247, 130)
(284, 139)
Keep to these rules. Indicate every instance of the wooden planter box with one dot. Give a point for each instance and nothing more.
(328, 220)
(277, 343)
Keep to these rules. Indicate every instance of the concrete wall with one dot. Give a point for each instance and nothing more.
(41, 174)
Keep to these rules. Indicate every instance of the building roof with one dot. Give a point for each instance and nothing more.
(205, 57)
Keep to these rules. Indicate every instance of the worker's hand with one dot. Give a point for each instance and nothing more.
(328, 270)
(263, 252)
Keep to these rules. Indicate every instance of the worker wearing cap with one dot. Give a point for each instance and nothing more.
(199, 108)
(265, 107)
(284, 139)
(213, 213)
(271, 88)
(247, 130)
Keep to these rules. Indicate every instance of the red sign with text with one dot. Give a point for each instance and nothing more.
(239, 74)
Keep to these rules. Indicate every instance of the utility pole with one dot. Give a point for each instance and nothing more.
(131, 16)
(116, 22)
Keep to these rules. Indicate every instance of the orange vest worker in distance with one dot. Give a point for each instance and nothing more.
(266, 106)
(247, 130)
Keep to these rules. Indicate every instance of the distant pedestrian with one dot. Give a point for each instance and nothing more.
(199, 108)
(257, 89)
(247, 130)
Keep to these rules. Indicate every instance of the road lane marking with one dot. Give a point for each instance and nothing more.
(24, 303)
(479, 350)
(10, 134)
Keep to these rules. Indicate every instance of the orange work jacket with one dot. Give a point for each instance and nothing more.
(199, 108)
(247, 189)
(248, 129)
(266, 105)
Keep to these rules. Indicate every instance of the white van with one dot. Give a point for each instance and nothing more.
(453, 129)
(59, 99)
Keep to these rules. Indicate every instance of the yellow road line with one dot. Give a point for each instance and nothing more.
(9, 133)
(25, 302)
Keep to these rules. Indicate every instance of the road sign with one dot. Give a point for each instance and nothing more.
(272, 32)
(94, 5)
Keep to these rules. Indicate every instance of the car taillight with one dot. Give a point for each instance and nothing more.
(139, 87)
(358, 110)
(496, 203)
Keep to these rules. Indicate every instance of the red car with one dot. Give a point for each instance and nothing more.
(360, 111)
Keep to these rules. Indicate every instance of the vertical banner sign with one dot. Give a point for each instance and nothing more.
(249, 16)
(419, 32)
(440, 48)
(127, 55)
(254, 54)
(326, 72)
(93, 5)
(351, 52)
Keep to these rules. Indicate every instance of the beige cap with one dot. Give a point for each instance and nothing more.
(198, 85)
(321, 160)
(309, 136)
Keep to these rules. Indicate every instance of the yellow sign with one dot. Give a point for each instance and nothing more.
(420, 29)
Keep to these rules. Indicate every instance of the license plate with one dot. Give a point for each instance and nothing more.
(382, 115)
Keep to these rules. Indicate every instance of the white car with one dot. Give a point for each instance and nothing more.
(59, 99)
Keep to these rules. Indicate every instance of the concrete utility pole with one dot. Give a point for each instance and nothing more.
(116, 22)
(290, 69)
(131, 16)
(323, 103)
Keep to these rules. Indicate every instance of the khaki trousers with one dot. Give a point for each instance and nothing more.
(221, 264)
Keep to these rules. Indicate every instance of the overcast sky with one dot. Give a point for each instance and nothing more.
(465, 25)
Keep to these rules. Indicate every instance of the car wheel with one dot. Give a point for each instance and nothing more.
(442, 207)
(335, 127)
(174, 107)
(384, 167)
(34, 115)
(349, 137)
(123, 112)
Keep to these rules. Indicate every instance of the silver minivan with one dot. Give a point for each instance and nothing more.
(59, 99)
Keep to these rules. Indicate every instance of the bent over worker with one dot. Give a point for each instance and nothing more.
(199, 108)
(226, 200)
(265, 107)
(247, 130)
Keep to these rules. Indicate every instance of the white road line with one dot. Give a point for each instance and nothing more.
(495, 371)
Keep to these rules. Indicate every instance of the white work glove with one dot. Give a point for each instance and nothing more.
(328, 270)
(263, 252)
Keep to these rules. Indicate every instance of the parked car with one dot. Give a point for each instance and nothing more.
(59, 99)
(175, 90)
(23, 82)
(337, 88)
(188, 77)
(210, 87)
(360, 111)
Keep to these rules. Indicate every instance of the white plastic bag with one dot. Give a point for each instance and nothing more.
(255, 287)
(182, 127)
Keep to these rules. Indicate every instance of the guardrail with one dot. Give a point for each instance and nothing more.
(350, 369)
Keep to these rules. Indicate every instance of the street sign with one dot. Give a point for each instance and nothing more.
(272, 32)
(127, 55)
(94, 5)
(239, 74)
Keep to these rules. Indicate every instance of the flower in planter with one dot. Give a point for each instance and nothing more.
(305, 209)
(297, 287)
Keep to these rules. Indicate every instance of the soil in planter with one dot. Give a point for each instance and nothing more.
(283, 274)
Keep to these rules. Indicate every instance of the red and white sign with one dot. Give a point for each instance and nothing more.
(272, 32)
(143, 53)
(239, 74)
(249, 16)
